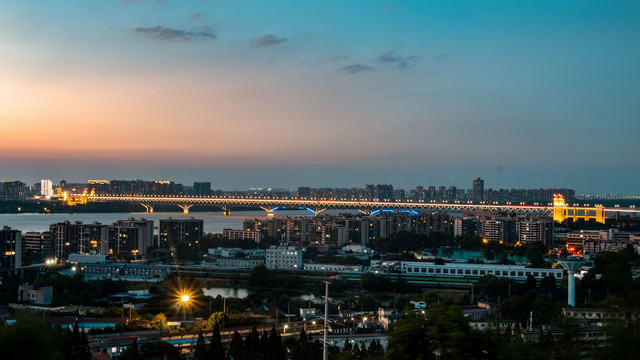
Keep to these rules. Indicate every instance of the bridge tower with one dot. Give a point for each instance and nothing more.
(185, 208)
(572, 266)
(600, 214)
(560, 210)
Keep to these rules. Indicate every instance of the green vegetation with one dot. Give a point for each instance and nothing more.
(30, 338)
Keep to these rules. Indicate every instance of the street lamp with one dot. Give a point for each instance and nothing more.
(314, 325)
(285, 329)
(184, 301)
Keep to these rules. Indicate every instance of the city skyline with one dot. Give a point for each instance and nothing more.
(287, 94)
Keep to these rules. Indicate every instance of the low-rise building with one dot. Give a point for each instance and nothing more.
(387, 316)
(238, 263)
(333, 268)
(241, 234)
(28, 294)
(283, 258)
(125, 271)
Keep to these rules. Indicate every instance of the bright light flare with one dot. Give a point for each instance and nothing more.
(184, 298)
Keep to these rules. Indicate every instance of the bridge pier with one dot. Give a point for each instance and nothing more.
(149, 208)
(270, 212)
(185, 208)
(317, 212)
(226, 211)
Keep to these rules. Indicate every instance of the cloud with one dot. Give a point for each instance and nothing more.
(197, 16)
(266, 40)
(391, 6)
(441, 57)
(165, 33)
(352, 69)
(338, 58)
(403, 62)
(160, 2)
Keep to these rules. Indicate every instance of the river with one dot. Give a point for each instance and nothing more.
(214, 222)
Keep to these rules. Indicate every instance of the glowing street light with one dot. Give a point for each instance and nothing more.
(184, 302)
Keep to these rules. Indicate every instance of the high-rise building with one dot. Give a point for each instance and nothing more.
(536, 231)
(130, 238)
(503, 230)
(202, 188)
(10, 248)
(12, 190)
(172, 232)
(463, 226)
(99, 186)
(78, 238)
(46, 188)
(477, 194)
(37, 242)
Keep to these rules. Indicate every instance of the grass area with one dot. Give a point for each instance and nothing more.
(140, 285)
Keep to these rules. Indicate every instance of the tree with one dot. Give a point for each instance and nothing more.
(535, 253)
(516, 307)
(216, 350)
(217, 319)
(29, 339)
(159, 321)
(275, 345)
(265, 348)
(300, 348)
(408, 340)
(235, 347)
(200, 352)
(132, 353)
(252, 345)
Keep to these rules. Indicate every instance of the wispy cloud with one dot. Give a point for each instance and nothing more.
(169, 34)
(266, 40)
(403, 62)
(355, 68)
(339, 57)
(441, 57)
(197, 16)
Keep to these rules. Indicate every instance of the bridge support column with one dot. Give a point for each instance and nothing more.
(600, 214)
(317, 212)
(270, 212)
(226, 210)
(149, 208)
(185, 208)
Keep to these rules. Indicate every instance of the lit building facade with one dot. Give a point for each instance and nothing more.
(46, 188)
(172, 232)
(501, 230)
(79, 238)
(10, 248)
(536, 231)
(130, 239)
(283, 258)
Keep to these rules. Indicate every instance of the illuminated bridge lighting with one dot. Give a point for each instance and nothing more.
(558, 208)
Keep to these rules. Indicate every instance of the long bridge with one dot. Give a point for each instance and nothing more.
(558, 209)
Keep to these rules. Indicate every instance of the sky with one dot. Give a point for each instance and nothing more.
(332, 93)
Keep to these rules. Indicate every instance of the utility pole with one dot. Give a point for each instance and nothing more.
(325, 352)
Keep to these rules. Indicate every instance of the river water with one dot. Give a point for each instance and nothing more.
(214, 222)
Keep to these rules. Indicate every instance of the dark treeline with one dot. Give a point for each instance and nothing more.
(30, 338)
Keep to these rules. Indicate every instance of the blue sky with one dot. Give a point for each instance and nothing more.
(524, 94)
